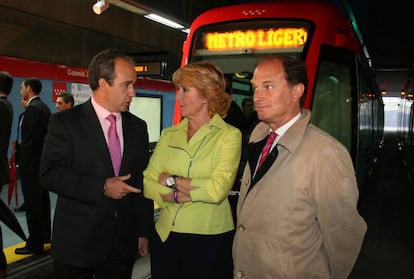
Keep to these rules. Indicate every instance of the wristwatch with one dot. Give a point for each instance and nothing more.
(170, 181)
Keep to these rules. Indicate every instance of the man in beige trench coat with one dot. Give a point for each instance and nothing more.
(297, 215)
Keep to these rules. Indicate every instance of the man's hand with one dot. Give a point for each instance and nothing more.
(143, 244)
(116, 188)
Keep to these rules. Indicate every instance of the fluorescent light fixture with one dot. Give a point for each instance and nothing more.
(164, 21)
(100, 6)
(128, 7)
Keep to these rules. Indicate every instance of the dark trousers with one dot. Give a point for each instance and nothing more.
(111, 269)
(37, 205)
(189, 256)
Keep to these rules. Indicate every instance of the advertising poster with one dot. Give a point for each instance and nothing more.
(81, 92)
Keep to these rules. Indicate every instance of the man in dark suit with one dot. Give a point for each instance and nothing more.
(33, 128)
(6, 119)
(101, 216)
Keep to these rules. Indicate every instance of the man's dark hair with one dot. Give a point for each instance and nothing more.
(35, 84)
(6, 82)
(68, 98)
(103, 66)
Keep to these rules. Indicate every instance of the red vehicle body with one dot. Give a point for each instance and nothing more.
(341, 92)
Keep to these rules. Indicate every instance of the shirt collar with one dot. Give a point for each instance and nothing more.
(34, 97)
(286, 126)
(101, 111)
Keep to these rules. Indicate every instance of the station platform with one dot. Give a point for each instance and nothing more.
(41, 266)
(386, 204)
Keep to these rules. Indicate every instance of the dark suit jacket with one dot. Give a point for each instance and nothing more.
(33, 132)
(75, 165)
(6, 117)
(18, 138)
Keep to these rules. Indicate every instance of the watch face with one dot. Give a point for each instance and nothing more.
(170, 181)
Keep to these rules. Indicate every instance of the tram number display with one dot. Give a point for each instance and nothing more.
(155, 68)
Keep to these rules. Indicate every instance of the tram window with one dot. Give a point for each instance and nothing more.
(148, 108)
(332, 106)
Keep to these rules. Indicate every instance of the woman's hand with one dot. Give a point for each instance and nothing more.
(163, 177)
(180, 192)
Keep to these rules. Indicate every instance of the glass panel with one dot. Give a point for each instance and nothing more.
(332, 102)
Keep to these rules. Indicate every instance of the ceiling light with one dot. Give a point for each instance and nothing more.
(164, 21)
(100, 6)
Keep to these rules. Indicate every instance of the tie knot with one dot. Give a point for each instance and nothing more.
(111, 118)
(271, 137)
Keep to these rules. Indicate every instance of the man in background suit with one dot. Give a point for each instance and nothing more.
(6, 119)
(64, 101)
(33, 128)
(101, 217)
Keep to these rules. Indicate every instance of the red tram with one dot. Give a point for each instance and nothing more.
(341, 91)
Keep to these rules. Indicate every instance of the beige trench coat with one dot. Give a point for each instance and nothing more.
(300, 220)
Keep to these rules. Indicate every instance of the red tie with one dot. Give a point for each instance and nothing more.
(114, 144)
(266, 149)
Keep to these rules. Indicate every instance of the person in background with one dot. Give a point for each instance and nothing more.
(297, 212)
(6, 119)
(247, 107)
(189, 176)
(249, 113)
(33, 128)
(236, 118)
(64, 101)
(93, 159)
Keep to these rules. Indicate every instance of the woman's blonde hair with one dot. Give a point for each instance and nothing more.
(209, 80)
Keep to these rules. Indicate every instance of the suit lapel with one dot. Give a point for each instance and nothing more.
(127, 139)
(91, 121)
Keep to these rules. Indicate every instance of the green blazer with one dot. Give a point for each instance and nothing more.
(211, 159)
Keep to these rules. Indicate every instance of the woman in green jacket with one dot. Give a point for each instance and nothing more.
(189, 175)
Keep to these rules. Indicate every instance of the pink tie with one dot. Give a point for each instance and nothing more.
(114, 145)
(266, 149)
